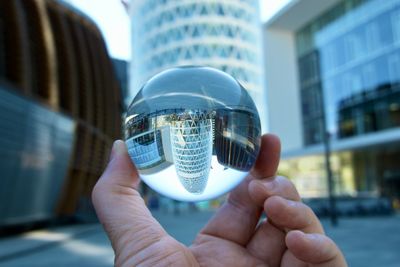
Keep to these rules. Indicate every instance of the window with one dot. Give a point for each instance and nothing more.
(394, 68)
(395, 19)
(373, 39)
(353, 46)
(369, 77)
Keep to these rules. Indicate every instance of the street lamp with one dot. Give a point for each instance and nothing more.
(331, 185)
(328, 168)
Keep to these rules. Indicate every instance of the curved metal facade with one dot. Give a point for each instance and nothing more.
(220, 34)
(55, 57)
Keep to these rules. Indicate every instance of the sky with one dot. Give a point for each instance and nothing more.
(114, 21)
(268, 8)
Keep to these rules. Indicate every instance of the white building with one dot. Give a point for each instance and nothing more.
(221, 34)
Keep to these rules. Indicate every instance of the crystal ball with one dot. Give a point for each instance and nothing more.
(193, 133)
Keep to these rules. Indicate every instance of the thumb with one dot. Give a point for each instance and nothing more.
(120, 208)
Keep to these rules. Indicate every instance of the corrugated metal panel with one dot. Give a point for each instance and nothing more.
(50, 52)
(35, 150)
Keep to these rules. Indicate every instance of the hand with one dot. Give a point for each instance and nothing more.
(292, 236)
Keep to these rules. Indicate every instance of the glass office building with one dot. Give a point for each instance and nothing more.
(347, 63)
(350, 54)
(221, 34)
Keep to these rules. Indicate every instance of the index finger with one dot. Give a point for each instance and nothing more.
(237, 218)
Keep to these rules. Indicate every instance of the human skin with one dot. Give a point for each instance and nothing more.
(291, 236)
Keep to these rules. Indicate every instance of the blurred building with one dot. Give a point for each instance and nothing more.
(337, 62)
(121, 70)
(60, 109)
(221, 34)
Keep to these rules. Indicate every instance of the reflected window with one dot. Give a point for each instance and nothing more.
(395, 19)
(313, 131)
(372, 32)
(394, 68)
(347, 127)
(353, 46)
(351, 54)
(394, 111)
(369, 76)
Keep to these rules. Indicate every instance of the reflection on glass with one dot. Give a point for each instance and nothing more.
(351, 56)
(193, 133)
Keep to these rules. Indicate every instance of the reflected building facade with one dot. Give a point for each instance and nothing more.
(192, 145)
(198, 119)
(236, 139)
(188, 139)
(149, 147)
(147, 150)
(343, 69)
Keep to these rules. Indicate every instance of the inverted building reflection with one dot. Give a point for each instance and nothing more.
(189, 139)
(236, 142)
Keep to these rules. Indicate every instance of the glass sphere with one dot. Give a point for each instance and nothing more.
(193, 133)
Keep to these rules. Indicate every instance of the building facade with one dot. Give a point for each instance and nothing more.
(341, 64)
(221, 34)
(121, 71)
(61, 110)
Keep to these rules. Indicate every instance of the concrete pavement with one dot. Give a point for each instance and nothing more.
(369, 241)
(78, 245)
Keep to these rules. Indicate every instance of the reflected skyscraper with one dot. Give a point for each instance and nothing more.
(180, 137)
(192, 145)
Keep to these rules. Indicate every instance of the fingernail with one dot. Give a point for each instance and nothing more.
(117, 149)
(291, 203)
(269, 185)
